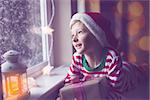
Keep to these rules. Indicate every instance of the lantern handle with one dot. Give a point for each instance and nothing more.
(11, 55)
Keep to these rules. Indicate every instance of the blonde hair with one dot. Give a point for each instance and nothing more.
(75, 22)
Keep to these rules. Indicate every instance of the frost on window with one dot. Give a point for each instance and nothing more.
(20, 29)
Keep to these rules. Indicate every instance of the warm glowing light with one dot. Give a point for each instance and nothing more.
(14, 85)
(135, 25)
(47, 30)
(135, 9)
(132, 57)
(133, 28)
(143, 43)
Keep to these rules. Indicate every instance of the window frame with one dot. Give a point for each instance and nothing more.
(35, 70)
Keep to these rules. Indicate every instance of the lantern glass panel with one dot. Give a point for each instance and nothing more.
(15, 84)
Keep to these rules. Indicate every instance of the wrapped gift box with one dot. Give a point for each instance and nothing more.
(88, 90)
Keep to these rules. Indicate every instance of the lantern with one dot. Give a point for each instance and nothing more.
(14, 77)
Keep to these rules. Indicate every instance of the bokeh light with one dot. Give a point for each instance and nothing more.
(133, 28)
(135, 25)
(143, 43)
(135, 9)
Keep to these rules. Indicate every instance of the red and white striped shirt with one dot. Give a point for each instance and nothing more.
(112, 71)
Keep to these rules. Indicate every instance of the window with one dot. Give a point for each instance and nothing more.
(20, 29)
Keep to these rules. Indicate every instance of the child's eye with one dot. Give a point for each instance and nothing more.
(79, 32)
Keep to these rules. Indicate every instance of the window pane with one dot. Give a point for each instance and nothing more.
(20, 29)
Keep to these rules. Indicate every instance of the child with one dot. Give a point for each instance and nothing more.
(95, 56)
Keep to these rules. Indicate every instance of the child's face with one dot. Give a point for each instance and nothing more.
(82, 39)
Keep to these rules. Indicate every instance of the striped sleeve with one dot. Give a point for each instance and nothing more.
(74, 70)
(114, 62)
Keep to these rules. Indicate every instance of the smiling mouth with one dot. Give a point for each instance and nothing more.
(78, 46)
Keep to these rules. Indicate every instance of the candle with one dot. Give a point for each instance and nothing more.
(15, 85)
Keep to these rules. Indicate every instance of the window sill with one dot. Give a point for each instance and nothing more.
(48, 85)
(35, 71)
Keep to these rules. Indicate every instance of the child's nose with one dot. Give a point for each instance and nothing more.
(75, 39)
